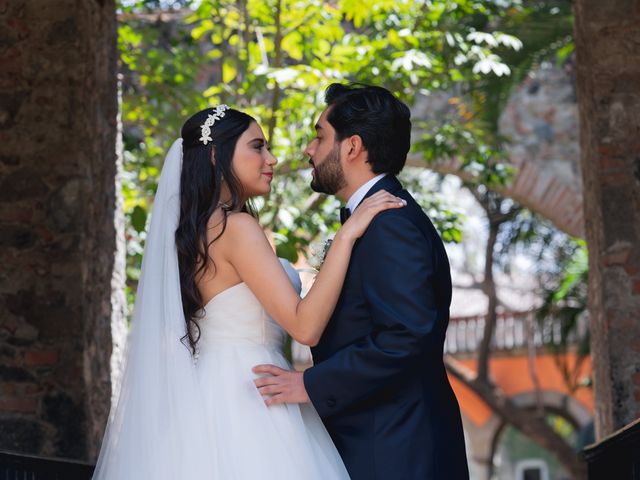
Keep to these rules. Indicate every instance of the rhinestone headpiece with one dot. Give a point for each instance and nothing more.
(205, 128)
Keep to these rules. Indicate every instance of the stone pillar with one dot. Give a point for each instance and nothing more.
(58, 224)
(607, 36)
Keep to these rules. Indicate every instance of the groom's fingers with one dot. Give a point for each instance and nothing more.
(270, 390)
(270, 369)
(276, 399)
(264, 381)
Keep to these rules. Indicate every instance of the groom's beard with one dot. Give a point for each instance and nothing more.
(329, 176)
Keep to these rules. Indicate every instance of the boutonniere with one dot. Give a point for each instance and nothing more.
(319, 253)
(325, 249)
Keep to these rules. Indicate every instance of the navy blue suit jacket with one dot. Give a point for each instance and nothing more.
(379, 381)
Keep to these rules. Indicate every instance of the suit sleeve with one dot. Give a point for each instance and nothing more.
(398, 274)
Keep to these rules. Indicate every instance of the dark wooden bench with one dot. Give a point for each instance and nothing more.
(617, 457)
(16, 466)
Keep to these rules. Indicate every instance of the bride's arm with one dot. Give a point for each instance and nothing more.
(248, 250)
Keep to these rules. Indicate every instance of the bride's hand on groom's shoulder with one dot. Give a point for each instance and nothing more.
(279, 385)
(360, 219)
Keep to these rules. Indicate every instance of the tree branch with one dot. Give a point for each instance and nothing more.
(489, 288)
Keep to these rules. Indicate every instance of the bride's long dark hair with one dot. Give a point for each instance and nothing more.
(200, 187)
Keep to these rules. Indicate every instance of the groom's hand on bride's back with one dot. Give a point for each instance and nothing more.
(279, 385)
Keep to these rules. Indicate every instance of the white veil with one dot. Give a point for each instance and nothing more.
(156, 427)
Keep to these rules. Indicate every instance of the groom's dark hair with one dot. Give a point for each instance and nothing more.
(381, 120)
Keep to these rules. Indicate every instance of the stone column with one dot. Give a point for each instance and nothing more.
(58, 224)
(607, 35)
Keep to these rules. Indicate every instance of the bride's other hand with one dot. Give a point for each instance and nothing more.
(360, 219)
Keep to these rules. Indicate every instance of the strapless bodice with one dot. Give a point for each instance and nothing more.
(236, 317)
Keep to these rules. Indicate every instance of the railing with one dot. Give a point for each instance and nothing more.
(512, 331)
(14, 466)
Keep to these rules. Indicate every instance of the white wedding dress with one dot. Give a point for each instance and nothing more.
(254, 441)
(180, 417)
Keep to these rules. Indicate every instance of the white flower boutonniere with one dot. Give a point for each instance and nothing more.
(319, 252)
(325, 249)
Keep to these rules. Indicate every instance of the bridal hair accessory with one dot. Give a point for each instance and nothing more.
(205, 128)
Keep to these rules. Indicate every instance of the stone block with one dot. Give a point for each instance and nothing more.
(11, 160)
(17, 236)
(22, 184)
(19, 404)
(65, 207)
(21, 435)
(10, 104)
(8, 389)
(15, 214)
(6, 353)
(16, 374)
(26, 331)
(70, 421)
(41, 357)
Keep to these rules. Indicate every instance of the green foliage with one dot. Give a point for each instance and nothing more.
(561, 265)
(566, 299)
(567, 296)
(545, 28)
(524, 35)
(562, 427)
(433, 202)
(273, 59)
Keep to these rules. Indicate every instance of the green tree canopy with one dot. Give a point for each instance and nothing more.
(273, 59)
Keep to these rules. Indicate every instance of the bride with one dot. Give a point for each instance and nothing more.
(213, 301)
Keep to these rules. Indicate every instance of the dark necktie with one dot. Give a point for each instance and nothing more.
(345, 213)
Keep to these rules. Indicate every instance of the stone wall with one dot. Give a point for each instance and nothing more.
(540, 123)
(608, 59)
(58, 130)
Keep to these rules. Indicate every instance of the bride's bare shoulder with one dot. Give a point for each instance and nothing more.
(242, 220)
(243, 235)
(239, 232)
(223, 229)
(241, 225)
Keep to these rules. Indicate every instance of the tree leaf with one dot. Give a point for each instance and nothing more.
(139, 218)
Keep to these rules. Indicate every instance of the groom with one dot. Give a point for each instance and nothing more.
(379, 381)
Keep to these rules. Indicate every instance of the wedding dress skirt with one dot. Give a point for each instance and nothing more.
(253, 441)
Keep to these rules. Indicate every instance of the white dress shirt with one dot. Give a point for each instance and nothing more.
(359, 194)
